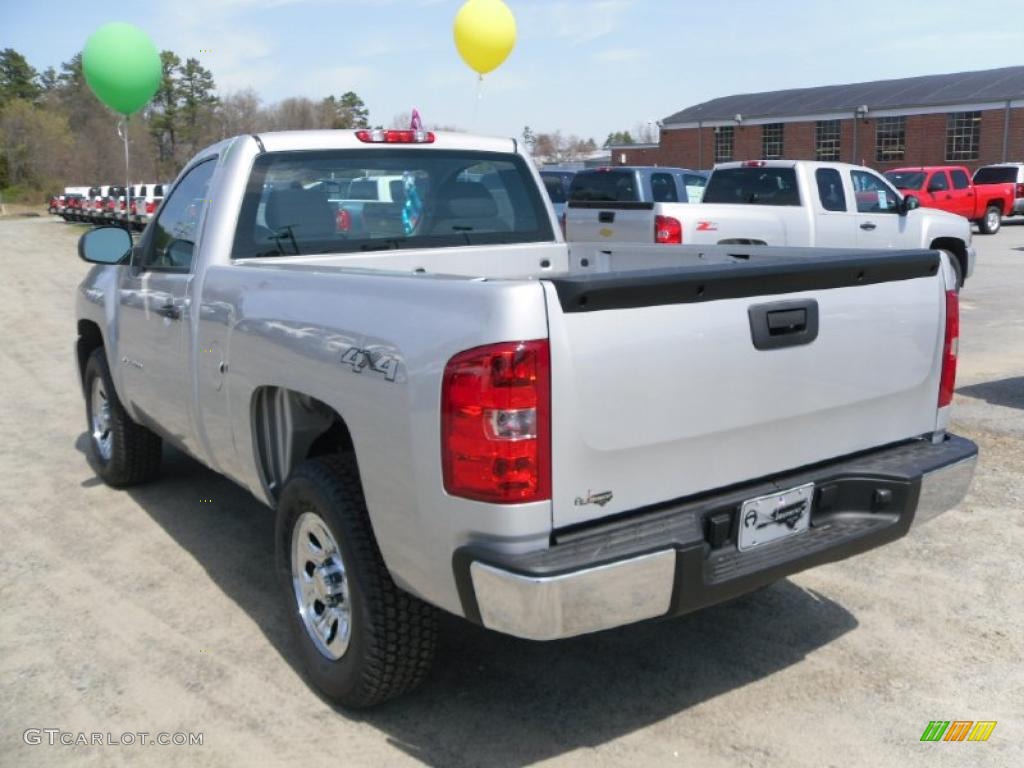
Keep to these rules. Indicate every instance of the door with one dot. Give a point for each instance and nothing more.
(155, 312)
(835, 225)
(964, 195)
(879, 223)
(937, 193)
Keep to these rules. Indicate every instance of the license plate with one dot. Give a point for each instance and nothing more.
(776, 516)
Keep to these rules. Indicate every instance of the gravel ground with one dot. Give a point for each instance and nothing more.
(149, 611)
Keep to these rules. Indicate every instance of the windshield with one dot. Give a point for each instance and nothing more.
(995, 175)
(339, 201)
(906, 179)
(753, 186)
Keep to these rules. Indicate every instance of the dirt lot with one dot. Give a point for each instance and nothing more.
(151, 611)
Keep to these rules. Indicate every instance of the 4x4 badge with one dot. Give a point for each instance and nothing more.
(600, 499)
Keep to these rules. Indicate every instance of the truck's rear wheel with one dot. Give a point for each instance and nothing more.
(122, 452)
(992, 220)
(362, 639)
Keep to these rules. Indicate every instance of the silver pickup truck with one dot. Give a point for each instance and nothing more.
(448, 407)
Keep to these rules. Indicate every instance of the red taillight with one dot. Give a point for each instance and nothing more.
(342, 220)
(150, 206)
(1020, 190)
(110, 205)
(754, 164)
(667, 230)
(495, 423)
(122, 205)
(950, 348)
(378, 136)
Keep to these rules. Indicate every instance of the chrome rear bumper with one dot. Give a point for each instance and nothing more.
(668, 562)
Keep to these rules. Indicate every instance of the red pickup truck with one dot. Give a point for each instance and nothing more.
(950, 188)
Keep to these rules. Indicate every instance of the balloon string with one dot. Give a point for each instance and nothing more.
(476, 103)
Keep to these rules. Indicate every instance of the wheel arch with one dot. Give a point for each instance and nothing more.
(289, 427)
(955, 246)
(90, 338)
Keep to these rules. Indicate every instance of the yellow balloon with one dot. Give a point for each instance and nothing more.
(485, 33)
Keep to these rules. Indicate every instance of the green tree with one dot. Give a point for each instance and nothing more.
(36, 144)
(18, 79)
(163, 114)
(618, 138)
(48, 80)
(352, 112)
(198, 104)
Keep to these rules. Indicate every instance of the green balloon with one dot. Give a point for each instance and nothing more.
(121, 66)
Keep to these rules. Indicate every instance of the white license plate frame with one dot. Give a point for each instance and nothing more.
(774, 517)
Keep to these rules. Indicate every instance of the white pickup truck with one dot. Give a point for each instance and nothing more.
(783, 202)
(448, 407)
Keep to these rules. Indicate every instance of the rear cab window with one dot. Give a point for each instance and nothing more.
(830, 189)
(663, 188)
(753, 186)
(605, 186)
(695, 186)
(344, 201)
(555, 189)
(995, 175)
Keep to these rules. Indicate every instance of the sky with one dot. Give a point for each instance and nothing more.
(585, 67)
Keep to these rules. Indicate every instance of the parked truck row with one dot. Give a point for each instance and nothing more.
(132, 207)
(451, 408)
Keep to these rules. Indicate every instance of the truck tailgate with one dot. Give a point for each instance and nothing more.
(629, 222)
(659, 390)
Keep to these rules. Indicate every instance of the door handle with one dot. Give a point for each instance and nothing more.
(868, 225)
(780, 324)
(169, 310)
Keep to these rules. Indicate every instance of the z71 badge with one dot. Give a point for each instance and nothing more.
(377, 362)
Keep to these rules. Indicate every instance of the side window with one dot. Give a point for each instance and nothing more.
(873, 195)
(694, 187)
(960, 180)
(173, 240)
(938, 182)
(830, 189)
(663, 188)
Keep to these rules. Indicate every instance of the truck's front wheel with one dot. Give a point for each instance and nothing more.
(362, 639)
(123, 452)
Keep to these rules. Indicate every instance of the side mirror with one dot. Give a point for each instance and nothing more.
(105, 245)
(933, 188)
(910, 202)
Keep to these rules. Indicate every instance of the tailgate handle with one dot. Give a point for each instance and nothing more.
(783, 323)
(606, 217)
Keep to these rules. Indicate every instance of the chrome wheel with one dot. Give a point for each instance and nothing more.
(99, 417)
(992, 220)
(320, 585)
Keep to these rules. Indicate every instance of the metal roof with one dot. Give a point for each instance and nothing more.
(988, 85)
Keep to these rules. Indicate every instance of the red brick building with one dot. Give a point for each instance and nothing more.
(967, 118)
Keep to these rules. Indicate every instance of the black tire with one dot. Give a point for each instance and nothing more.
(134, 453)
(989, 223)
(393, 635)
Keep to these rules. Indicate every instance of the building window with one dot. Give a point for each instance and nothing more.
(771, 141)
(723, 143)
(826, 140)
(963, 131)
(890, 139)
